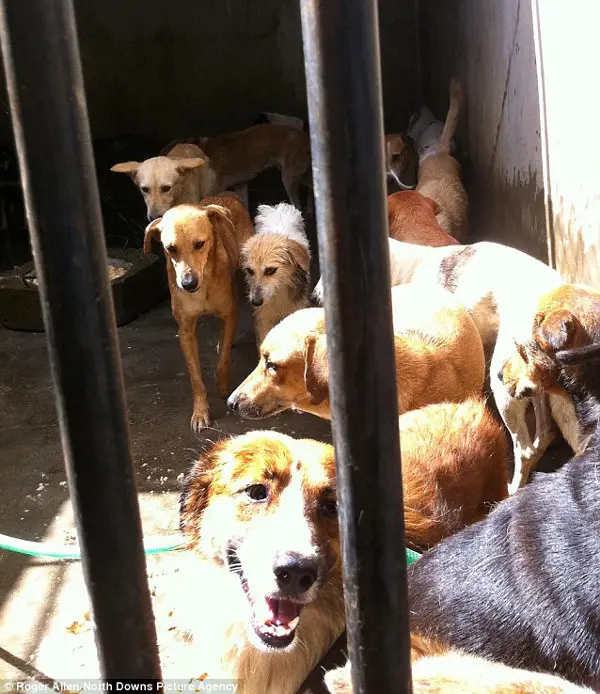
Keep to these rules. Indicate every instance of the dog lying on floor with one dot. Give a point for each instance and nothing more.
(556, 360)
(181, 176)
(260, 510)
(500, 287)
(439, 172)
(522, 586)
(276, 263)
(412, 219)
(439, 356)
(436, 669)
(202, 245)
(238, 157)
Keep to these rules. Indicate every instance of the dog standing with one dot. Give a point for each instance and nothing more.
(182, 175)
(412, 219)
(439, 356)
(439, 172)
(276, 263)
(202, 245)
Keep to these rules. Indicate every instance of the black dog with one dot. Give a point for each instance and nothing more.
(523, 586)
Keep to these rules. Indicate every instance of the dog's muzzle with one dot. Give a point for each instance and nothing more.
(189, 282)
(256, 300)
(295, 573)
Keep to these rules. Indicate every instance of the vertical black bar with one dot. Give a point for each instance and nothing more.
(341, 53)
(45, 86)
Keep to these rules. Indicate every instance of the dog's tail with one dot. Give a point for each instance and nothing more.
(456, 99)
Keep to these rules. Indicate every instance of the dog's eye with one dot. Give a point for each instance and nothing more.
(198, 245)
(165, 189)
(328, 507)
(271, 366)
(257, 492)
(270, 271)
(249, 271)
(144, 189)
(172, 249)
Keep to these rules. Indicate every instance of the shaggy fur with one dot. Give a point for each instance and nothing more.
(276, 263)
(439, 356)
(412, 218)
(521, 587)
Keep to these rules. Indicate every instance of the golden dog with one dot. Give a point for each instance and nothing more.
(439, 356)
(202, 245)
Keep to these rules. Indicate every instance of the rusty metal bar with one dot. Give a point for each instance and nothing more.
(45, 87)
(341, 54)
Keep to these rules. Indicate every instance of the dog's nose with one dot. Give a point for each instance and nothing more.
(256, 300)
(233, 401)
(295, 573)
(153, 215)
(189, 282)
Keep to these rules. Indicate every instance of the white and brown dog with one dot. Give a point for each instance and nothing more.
(276, 263)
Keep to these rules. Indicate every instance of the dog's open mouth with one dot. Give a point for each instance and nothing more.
(274, 620)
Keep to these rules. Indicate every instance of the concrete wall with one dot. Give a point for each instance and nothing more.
(489, 46)
(173, 69)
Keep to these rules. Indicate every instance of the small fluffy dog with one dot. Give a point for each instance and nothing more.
(439, 356)
(558, 359)
(182, 175)
(401, 161)
(202, 245)
(439, 172)
(260, 511)
(412, 218)
(276, 263)
(436, 669)
(238, 157)
(521, 587)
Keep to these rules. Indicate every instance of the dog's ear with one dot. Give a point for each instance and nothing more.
(127, 167)
(196, 487)
(557, 330)
(152, 231)
(185, 165)
(316, 368)
(433, 204)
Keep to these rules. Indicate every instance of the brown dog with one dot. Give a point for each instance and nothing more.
(401, 160)
(260, 509)
(565, 330)
(412, 219)
(239, 157)
(202, 245)
(439, 174)
(439, 356)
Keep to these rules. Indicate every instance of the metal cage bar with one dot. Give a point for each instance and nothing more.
(45, 87)
(341, 54)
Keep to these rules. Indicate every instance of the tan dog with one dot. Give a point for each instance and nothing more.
(559, 360)
(401, 161)
(439, 173)
(276, 263)
(181, 176)
(239, 157)
(202, 244)
(438, 669)
(439, 356)
(412, 219)
(265, 602)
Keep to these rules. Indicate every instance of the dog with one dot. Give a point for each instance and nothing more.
(276, 264)
(238, 157)
(439, 175)
(556, 360)
(436, 669)
(401, 161)
(521, 586)
(202, 245)
(412, 218)
(260, 512)
(439, 356)
(500, 286)
(182, 175)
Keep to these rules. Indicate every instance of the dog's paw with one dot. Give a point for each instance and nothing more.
(200, 419)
